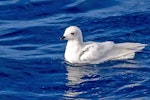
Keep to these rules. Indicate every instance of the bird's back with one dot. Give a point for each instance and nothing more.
(95, 53)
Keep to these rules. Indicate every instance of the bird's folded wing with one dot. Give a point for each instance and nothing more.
(95, 51)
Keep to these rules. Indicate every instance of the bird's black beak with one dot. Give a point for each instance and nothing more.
(62, 38)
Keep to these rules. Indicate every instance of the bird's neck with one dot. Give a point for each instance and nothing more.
(76, 43)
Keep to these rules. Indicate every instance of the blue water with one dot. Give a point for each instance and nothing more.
(32, 65)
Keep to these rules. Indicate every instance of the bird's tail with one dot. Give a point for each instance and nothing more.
(136, 47)
(127, 50)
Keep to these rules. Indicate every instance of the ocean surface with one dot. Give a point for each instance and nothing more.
(32, 65)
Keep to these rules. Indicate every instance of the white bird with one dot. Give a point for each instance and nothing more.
(79, 52)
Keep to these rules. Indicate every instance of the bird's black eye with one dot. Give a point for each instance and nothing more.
(72, 33)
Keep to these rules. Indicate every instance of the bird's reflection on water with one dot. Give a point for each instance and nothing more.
(81, 77)
(76, 76)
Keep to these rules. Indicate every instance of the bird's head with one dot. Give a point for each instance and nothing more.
(72, 33)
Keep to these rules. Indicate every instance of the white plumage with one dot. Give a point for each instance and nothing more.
(81, 52)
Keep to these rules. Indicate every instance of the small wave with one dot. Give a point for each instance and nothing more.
(26, 94)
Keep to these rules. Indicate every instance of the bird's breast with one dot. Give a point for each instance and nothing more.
(72, 54)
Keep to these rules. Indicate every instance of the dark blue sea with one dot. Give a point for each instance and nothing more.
(32, 65)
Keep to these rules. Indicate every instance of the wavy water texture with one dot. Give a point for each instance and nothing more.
(32, 66)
